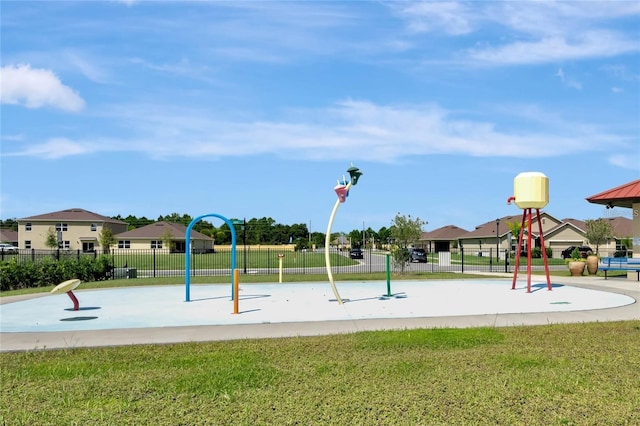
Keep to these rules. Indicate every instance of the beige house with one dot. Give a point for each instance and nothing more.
(441, 239)
(572, 232)
(165, 236)
(9, 236)
(483, 238)
(76, 229)
(558, 235)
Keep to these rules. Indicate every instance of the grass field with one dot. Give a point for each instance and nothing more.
(578, 374)
(565, 374)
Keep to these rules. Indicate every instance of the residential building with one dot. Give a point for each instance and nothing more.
(558, 234)
(9, 236)
(166, 236)
(75, 229)
(441, 239)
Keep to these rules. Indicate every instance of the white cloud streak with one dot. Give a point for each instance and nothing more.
(540, 31)
(36, 88)
(349, 129)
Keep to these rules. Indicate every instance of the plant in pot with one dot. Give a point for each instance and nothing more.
(598, 232)
(592, 263)
(576, 263)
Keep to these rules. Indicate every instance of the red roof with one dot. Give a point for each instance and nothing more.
(620, 196)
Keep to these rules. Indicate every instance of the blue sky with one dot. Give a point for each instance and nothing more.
(256, 109)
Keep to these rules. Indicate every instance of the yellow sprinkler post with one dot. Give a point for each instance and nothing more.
(280, 257)
(236, 285)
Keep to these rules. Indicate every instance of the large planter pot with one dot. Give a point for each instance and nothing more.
(592, 264)
(577, 268)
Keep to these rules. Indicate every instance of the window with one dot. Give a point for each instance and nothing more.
(122, 244)
(61, 227)
(27, 226)
(94, 227)
(156, 244)
(66, 245)
(27, 244)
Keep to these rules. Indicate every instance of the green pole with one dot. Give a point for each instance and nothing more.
(388, 275)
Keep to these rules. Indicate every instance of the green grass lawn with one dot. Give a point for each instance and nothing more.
(577, 374)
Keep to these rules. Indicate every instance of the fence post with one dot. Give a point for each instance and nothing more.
(154, 263)
(462, 259)
(491, 259)
(506, 261)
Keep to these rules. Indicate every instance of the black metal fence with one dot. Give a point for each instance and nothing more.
(160, 263)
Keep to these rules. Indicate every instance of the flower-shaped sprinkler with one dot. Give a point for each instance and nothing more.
(342, 190)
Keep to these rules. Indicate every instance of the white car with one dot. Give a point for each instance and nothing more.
(8, 248)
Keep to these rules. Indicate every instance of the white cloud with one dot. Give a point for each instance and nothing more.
(626, 161)
(617, 90)
(349, 129)
(536, 32)
(88, 68)
(36, 88)
(54, 149)
(554, 49)
(450, 17)
(568, 81)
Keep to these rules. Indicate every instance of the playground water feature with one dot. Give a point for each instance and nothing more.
(211, 304)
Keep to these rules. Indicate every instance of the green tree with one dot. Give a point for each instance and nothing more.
(106, 238)
(384, 235)
(405, 231)
(168, 240)
(355, 237)
(11, 224)
(51, 238)
(514, 227)
(598, 231)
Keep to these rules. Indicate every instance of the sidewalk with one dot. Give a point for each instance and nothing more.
(146, 315)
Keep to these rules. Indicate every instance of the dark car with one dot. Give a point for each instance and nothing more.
(355, 253)
(584, 251)
(417, 255)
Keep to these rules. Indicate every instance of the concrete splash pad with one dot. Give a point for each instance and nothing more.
(211, 305)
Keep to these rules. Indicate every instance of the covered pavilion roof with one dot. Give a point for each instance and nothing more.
(620, 196)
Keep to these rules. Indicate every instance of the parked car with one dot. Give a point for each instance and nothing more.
(8, 248)
(417, 255)
(584, 251)
(356, 253)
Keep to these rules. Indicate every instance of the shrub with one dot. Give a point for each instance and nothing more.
(49, 272)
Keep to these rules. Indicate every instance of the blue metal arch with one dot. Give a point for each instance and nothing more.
(187, 257)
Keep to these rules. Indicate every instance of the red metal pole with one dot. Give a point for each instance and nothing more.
(544, 251)
(515, 272)
(529, 252)
(76, 304)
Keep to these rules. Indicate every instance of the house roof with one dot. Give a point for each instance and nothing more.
(72, 215)
(8, 235)
(620, 196)
(158, 230)
(445, 233)
(622, 226)
(577, 225)
(580, 224)
(488, 229)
